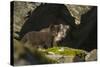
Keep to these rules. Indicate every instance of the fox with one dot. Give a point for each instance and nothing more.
(43, 39)
(62, 31)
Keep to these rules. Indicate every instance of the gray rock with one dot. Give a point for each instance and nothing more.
(21, 10)
(91, 56)
(61, 58)
(78, 10)
(78, 59)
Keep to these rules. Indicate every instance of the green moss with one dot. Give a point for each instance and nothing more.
(66, 51)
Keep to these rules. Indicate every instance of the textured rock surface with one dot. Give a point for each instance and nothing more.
(78, 10)
(91, 56)
(21, 10)
(61, 58)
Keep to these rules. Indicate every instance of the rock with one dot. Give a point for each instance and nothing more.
(66, 59)
(66, 55)
(61, 58)
(20, 12)
(78, 58)
(78, 10)
(91, 56)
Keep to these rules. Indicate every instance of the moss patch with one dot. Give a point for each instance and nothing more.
(66, 51)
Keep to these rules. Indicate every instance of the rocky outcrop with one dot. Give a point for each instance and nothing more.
(77, 11)
(26, 55)
(24, 9)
